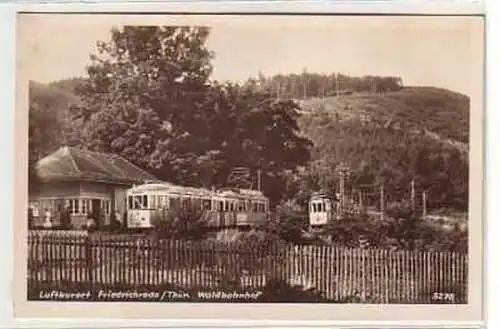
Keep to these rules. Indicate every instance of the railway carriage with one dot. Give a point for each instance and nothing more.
(322, 209)
(148, 204)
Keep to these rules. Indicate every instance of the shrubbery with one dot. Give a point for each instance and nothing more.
(182, 223)
(400, 229)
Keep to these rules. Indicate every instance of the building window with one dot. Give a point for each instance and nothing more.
(84, 207)
(35, 208)
(105, 205)
(74, 206)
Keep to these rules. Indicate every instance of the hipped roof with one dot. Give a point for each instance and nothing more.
(74, 164)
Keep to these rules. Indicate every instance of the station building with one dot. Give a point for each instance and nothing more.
(83, 182)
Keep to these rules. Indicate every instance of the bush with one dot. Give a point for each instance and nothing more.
(286, 224)
(400, 229)
(180, 223)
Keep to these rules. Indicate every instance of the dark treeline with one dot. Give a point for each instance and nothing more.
(308, 85)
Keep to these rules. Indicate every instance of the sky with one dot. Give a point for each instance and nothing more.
(439, 51)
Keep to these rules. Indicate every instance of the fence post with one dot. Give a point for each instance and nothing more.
(88, 259)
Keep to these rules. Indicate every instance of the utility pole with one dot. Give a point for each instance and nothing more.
(342, 190)
(259, 178)
(424, 204)
(412, 195)
(343, 171)
(382, 206)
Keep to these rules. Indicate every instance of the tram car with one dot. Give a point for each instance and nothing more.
(322, 209)
(148, 204)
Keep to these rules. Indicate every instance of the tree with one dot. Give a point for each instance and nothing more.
(43, 135)
(257, 131)
(143, 94)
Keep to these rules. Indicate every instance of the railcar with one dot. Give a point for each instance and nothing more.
(148, 204)
(322, 209)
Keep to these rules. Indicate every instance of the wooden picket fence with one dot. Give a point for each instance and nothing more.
(339, 273)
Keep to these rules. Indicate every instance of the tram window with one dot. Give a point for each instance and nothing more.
(313, 207)
(259, 207)
(231, 206)
(320, 207)
(144, 201)
(137, 202)
(130, 202)
(207, 204)
(186, 204)
(241, 206)
(174, 203)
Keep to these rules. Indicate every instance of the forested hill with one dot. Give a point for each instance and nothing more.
(418, 133)
(429, 109)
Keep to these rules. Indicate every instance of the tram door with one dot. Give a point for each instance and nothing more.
(96, 212)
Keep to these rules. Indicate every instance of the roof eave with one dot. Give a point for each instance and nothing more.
(90, 180)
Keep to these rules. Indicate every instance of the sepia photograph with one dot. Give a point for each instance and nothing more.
(224, 160)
